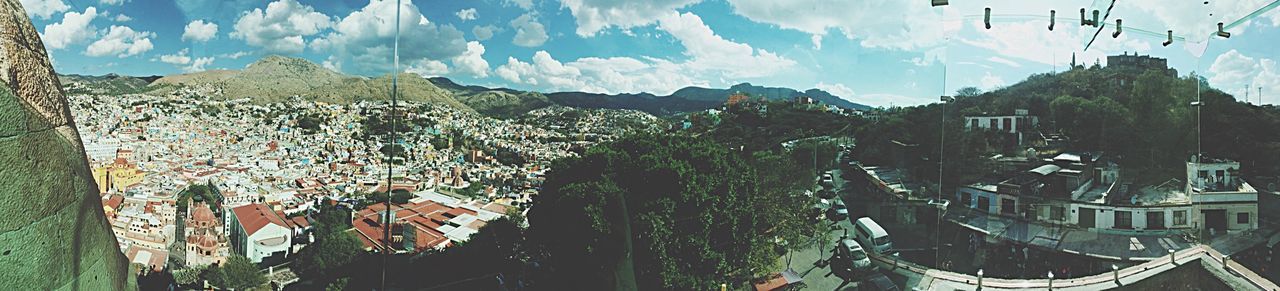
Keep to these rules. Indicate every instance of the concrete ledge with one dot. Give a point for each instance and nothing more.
(1233, 274)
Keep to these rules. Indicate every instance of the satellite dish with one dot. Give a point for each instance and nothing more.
(1271, 187)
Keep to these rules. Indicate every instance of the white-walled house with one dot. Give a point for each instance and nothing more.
(259, 233)
(1092, 196)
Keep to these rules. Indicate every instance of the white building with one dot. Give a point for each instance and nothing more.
(1021, 120)
(1092, 196)
(259, 233)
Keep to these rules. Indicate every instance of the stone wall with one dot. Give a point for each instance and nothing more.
(53, 234)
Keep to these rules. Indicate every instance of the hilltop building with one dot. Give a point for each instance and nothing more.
(1136, 64)
(1018, 124)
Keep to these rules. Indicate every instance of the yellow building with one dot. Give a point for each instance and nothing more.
(117, 176)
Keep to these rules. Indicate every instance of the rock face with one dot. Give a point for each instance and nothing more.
(53, 234)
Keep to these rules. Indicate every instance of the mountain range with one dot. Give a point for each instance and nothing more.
(277, 78)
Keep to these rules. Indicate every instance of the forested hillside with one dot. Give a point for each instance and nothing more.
(1145, 119)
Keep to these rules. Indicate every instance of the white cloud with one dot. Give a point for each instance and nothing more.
(112, 2)
(44, 8)
(595, 15)
(123, 18)
(466, 14)
(472, 61)
(525, 4)
(428, 68)
(991, 82)
(817, 41)
(198, 64)
(708, 57)
(1232, 72)
(1191, 18)
(529, 32)
(73, 29)
(235, 55)
(877, 23)
(710, 52)
(184, 61)
(598, 75)
(122, 42)
(200, 31)
(485, 32)
(838, 89)
(180, 58)
(364, 37)
(281, 27)
(1004, 61)
(332, 63)
(1030, 40)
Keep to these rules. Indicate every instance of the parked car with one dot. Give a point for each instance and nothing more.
(869, 233)
(838, 211)
(851, 250)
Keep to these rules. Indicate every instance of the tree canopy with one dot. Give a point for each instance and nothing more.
(237, 273)
(667, 211)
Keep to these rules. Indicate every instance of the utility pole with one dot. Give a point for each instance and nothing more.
(386, 221)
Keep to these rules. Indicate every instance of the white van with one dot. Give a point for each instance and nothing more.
(851, 250)
(870, 234)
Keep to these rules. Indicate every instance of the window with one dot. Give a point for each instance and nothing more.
(1155, 220)
(1124, 220)
(966, 198)
(973, 123)
(1242, 218)
(995, 123)
(1180, 217)
(1007, 206)
(882, 240)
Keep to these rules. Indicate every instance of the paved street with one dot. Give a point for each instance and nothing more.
(804, 262)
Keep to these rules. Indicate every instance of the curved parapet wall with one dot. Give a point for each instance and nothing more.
(53, 234)
(1224, 271)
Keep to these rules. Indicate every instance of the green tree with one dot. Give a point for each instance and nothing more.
(661, 212)
(325, 257)
(238, 273)
(968, 92)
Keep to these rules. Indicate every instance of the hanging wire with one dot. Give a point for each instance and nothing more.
(386, 222)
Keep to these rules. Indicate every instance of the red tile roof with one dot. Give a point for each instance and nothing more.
(425, 217)
(253, 217)
(114, 201)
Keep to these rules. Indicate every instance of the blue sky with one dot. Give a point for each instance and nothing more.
(875, 52)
